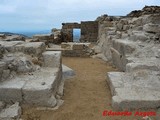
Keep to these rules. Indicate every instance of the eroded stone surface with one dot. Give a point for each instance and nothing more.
(134, 90)
(52, 59)
(11, 112)
(33, 90)
(24, 81)
(134, 49)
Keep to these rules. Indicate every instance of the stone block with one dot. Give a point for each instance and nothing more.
(130, 67)
(11, 45)
(152, 28)
(118, 59)
(137, 35)
(40, 89)
(136, 90)
(66, 46)
(52, 59)
(137, 21)
(42, 36)
(124, 47)
(11, 90)
(78, 46)
(34, 48)
(152, 18)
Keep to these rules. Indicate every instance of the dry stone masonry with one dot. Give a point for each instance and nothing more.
(89, 31)
(29, 75)
(76, 49)
(31, 70)
(132, 44)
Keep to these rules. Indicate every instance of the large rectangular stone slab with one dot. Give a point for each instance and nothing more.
(118, 59)
(52, 59)
(123, 46)
(136, 90)
(11, 90)
(41, 88)
(135, 98)
(130, 67)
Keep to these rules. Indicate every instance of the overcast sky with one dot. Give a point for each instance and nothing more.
(31, 15)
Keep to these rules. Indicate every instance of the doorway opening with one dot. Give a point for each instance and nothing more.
(76, 35)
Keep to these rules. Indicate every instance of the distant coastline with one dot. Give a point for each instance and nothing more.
(26, 33)
(10, 33)
(29, 34)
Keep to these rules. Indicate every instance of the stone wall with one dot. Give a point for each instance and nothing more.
(70, 25)
(132, 44)
(67, 31)
(147, 10)
(89, 31)
(67, 35)
(46, 38)
(71, 49)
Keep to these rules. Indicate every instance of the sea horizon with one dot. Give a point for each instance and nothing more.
(76, 33)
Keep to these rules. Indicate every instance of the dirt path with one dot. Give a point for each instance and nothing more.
(86, 96)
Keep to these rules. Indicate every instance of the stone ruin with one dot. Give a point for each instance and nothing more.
(29, 74)
(132, 44)
(89, 31)
(31, 70)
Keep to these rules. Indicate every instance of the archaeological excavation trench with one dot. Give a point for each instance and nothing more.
(114, 66)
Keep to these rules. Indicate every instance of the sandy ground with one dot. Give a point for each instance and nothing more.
(86, 95)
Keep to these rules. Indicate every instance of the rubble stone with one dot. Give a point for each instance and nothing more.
(12, 112)
(153, 28)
